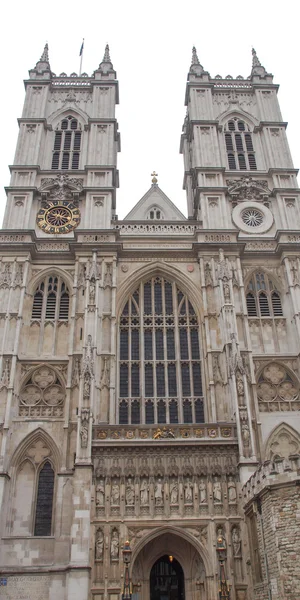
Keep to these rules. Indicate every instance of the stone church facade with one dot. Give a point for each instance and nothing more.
(149, 378)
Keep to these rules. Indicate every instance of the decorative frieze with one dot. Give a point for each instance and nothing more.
(148, 432)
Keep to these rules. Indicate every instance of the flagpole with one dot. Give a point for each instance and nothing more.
(81, 57)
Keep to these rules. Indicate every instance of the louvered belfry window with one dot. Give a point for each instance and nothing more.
(239, 146)
(263, 299)
(51, 300)
(67, 145)
(159, 357)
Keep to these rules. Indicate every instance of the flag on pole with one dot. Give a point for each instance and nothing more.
(81, 49)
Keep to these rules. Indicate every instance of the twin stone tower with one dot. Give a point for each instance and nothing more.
(149, 376)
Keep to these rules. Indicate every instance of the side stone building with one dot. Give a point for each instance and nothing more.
(149, 377)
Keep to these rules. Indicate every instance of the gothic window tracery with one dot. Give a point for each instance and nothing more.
(159, 357)
(263, 299)
(239, 146)
(42, 394)
(67, 144)
(33, 490)
(277, 390)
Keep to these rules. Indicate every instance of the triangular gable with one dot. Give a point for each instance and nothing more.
(155, 197)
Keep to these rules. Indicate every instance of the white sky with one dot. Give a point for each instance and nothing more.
(150, 47)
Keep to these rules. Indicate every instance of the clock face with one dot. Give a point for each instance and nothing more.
(58, 216)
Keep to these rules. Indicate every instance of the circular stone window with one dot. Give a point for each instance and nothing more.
(251, 218)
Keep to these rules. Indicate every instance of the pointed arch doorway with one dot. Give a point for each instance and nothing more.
(167, 579)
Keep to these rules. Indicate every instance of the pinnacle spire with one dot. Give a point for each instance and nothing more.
(196, 67)
(45, 54)
(42, 66)
(106, 57)
(257, 68)
(195, 59)
(106, 66)
(255, 60)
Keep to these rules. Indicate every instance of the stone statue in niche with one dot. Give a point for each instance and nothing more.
(86, 385)
(115, 493)
(107, 282)
(202, 491)
(246, 439)
(226, 289)
(84, 436)
(236, 543)
(100, 493)
(105, 376)
(174, 491)
(159, 492)
(217, 491)
(114, 545)
(207, 274)
(295, 273)
(92, 291)
(129, 492)
(84, 427)
(144, 492)
(99, 544)
(188, 492)
(240, 388)
(231, 489)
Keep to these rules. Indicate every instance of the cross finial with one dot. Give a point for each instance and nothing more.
(154, 176)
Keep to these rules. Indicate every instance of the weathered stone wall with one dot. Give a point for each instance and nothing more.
(274, 497)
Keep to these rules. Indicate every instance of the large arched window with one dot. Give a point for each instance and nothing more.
(239, 146)
(262, 297)
(67, 145)
(159, 357)
(51, 300)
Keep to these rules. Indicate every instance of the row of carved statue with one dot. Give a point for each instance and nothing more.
(161, 489)
(114, 545)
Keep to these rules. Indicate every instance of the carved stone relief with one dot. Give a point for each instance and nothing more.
(42, 394)
(61, 187)
(247, 188)
(4, 381)
(5, 275)
(277, 390)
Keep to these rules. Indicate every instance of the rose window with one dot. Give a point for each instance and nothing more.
(252, 217)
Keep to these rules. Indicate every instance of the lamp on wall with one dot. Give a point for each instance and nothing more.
(127, 588)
